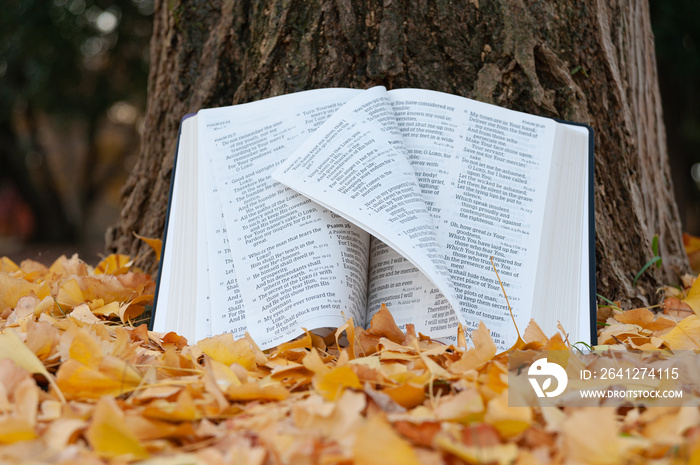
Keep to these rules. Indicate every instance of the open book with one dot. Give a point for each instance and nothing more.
(303, 210)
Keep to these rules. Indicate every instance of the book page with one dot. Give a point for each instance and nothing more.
(408, 293)
(227, 312)
(483, 171)
(297, 264)
(357, 166)
(173, 303)
(202, 327)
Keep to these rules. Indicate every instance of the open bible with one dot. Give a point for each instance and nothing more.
(301, 211)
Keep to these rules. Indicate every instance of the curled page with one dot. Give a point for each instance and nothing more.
(356, 165)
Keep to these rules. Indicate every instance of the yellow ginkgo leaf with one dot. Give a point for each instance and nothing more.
(465, 407)
(155, 244)
(114, 264)
(501, 454)
(85, 348)
(14, 429)
(377, 443)
(509, 421)
(257, 391)
(332, 384)
(78, 381)
(12, 347)
(109, 435)
(70, 295)
(693, 298)
(12, 289)
(685, 335)
(7, 265)
(183, 409)
(224, 349)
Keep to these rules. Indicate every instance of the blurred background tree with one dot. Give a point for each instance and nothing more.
(73, 79)
(676, 28)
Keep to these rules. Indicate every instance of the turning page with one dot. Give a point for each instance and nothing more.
(356, 165)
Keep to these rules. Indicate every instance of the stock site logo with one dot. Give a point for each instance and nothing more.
(547, 370)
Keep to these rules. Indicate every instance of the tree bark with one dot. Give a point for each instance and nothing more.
(588, 61)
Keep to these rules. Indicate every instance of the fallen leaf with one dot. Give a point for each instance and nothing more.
(676, 308)
(183, 409)
(383, 325)
(12, 289)
(693, 297)
(501, 454)
(692, 250)
(685, 335)
(255, 391)
(600, 445)
(109, 435)
(420, 433)
(224, 349)
(484, 349)
(407, 395)
(78, 381)
(13, 429)
(12, 348)
(645, 318)
(377, 443)
(464, 407)
(332, 383)
(114, 264)
(508, 421)
(155, 244)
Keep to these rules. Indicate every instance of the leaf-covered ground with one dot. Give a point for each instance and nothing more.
(81, 381)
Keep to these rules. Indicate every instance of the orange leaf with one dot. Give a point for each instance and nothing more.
(42, 339)
(644, 318)
(676, 308)
(383, 325)
(421, 434)
(300, 343)
(407, 395)
(484, 349)
(134, 308)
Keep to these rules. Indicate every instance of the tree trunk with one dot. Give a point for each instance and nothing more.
(587, 61)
